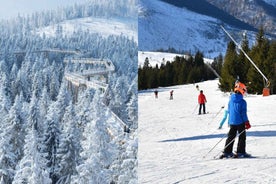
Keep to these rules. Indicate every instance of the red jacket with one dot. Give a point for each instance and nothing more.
(201, 98)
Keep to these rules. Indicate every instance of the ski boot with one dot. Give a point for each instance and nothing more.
(241, 155)
(226, 155)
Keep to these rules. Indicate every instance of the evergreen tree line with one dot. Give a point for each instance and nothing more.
(237, 67)
(181, 70)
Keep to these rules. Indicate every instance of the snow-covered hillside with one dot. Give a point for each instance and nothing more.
(103, 26)
(271, 2)
(155, 58)
(162, 25)
(173, 139)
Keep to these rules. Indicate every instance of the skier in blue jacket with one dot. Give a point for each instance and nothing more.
(238, 122)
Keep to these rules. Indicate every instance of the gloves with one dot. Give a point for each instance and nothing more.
(247, 125)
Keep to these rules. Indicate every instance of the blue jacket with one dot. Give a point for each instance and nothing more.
(237, 110)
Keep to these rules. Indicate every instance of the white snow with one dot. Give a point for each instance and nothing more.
(156, 57)
(271, 2)
(102, 26)
(173, 139)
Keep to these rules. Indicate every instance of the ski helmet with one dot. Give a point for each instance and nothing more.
(240, 87)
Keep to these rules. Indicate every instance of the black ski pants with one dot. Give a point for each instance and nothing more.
(200, 107)
(231, 135)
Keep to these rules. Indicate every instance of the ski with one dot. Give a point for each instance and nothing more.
(203, 113)
(226, 158)
(235, 156)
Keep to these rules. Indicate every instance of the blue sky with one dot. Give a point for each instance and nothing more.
(11, 8)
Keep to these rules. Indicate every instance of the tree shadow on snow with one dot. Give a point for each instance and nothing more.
(212, 136)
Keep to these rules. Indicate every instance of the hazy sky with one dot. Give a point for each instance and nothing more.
(11, 8)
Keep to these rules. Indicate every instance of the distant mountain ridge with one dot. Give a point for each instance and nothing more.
(257, 13)
(206, 8)
(189, 26)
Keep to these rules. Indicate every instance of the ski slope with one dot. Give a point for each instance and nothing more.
(173, 139)
(103, 26)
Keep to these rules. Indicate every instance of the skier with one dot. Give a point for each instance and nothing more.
(224, 118)
(156, 93)
(238, 121)
(197, 87)
(171, 94)
(201, 100)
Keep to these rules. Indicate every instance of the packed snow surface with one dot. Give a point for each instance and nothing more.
(174, 140)
(103, 26)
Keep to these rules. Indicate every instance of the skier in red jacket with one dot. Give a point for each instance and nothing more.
(201, 101)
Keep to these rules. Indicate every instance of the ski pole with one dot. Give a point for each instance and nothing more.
(218, 111)
(215, 115)
(226, 146)
(214, 146)
(195, 108)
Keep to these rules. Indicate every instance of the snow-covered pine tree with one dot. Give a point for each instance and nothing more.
(44, 102)
(37, 85)
(54, 82)
(69, 148)
(12, 78)
(24, 80)
(5, 84)
(132, 105)
(52, 132)
(83, 108)
(51, 143)
(119, 97)
(4, 104)
(11, 146)
(98, 150)
(31, 168)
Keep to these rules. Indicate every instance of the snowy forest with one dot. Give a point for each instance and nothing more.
(182, 70)
(45, 135)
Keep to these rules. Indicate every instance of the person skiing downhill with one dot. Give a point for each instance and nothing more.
(156, 93)
(224, 118)
(201, 101)
(238, 122)
(171, 94)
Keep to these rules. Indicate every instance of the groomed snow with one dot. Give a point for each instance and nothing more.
(173, 139)
(102, 26)
(155, 58)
